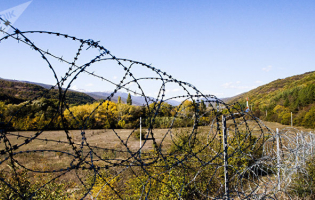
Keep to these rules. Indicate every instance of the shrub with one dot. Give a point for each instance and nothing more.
(286, 119)
(106, 187)
(136, 134)
(303, 185)
(20, 180)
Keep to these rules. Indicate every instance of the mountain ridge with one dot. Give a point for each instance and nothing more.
(136, 100)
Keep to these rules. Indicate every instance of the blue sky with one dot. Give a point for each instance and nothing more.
(221, 47)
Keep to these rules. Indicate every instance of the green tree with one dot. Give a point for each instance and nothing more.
(202, 106)
(286, 102)
(119, 99)
(129, 100)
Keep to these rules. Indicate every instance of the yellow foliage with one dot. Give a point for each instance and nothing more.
(281, 110)
(278, 109)
(103, 188)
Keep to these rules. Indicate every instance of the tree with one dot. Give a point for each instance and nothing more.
(286, 102)
(119, 100)
(202, 107)
(129, 100)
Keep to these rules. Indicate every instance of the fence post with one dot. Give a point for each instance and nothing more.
(140, 138)
(311, 143)
(225, 157)
(291, 120)
(297, 151)
(303, 148)
(278, 159)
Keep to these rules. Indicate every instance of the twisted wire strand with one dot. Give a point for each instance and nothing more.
(197, 157)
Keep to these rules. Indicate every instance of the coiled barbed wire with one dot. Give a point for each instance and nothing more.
(189, 162)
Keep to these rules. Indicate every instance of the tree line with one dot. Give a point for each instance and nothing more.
(48, 114)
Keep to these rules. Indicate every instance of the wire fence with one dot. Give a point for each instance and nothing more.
(224, 152)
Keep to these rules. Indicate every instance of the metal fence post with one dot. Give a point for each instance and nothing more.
(225, 157)
(311, 144)
(291, 120)
(140, 138)
(297, 151)
(278, 159)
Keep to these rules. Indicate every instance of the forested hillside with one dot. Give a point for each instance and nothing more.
(17, 92)
(279, 98)
(271, 102)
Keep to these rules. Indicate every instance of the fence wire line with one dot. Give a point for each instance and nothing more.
(254, 168)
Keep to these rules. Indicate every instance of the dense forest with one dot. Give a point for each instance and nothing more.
(275, 101)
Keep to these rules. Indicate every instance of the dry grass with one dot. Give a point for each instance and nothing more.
(107, 144)
(99, 140)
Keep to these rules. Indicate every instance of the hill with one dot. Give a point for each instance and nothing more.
(16, 92)
(136, 100)
(279, 98)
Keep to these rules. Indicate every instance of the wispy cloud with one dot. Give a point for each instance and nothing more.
(258, 82)
(227, 85)
(115, 77)
(267, 69)
(231, 85)
(218, 94)
(89, 85)
(74, 87)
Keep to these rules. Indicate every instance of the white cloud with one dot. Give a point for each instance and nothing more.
(176, 90)
(238, 82)
(218, 94)
(205, 91)
(74, 87)
(227, 85)
(267, 69)
(167, 91)
(115, 77)
(232, 85)
(89, 85)
(258, 82)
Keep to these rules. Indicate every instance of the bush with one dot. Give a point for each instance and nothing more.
(19, 179)
(303, 185)
(136, 134)
(286, 119)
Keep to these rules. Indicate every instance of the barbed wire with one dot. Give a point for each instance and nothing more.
(222, 152)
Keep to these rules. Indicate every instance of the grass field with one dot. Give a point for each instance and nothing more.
(111, 145)
(103, 140)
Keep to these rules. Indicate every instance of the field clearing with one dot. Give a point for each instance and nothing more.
(103, 138)
(44, 153)
(106, 141)
(117, 138)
